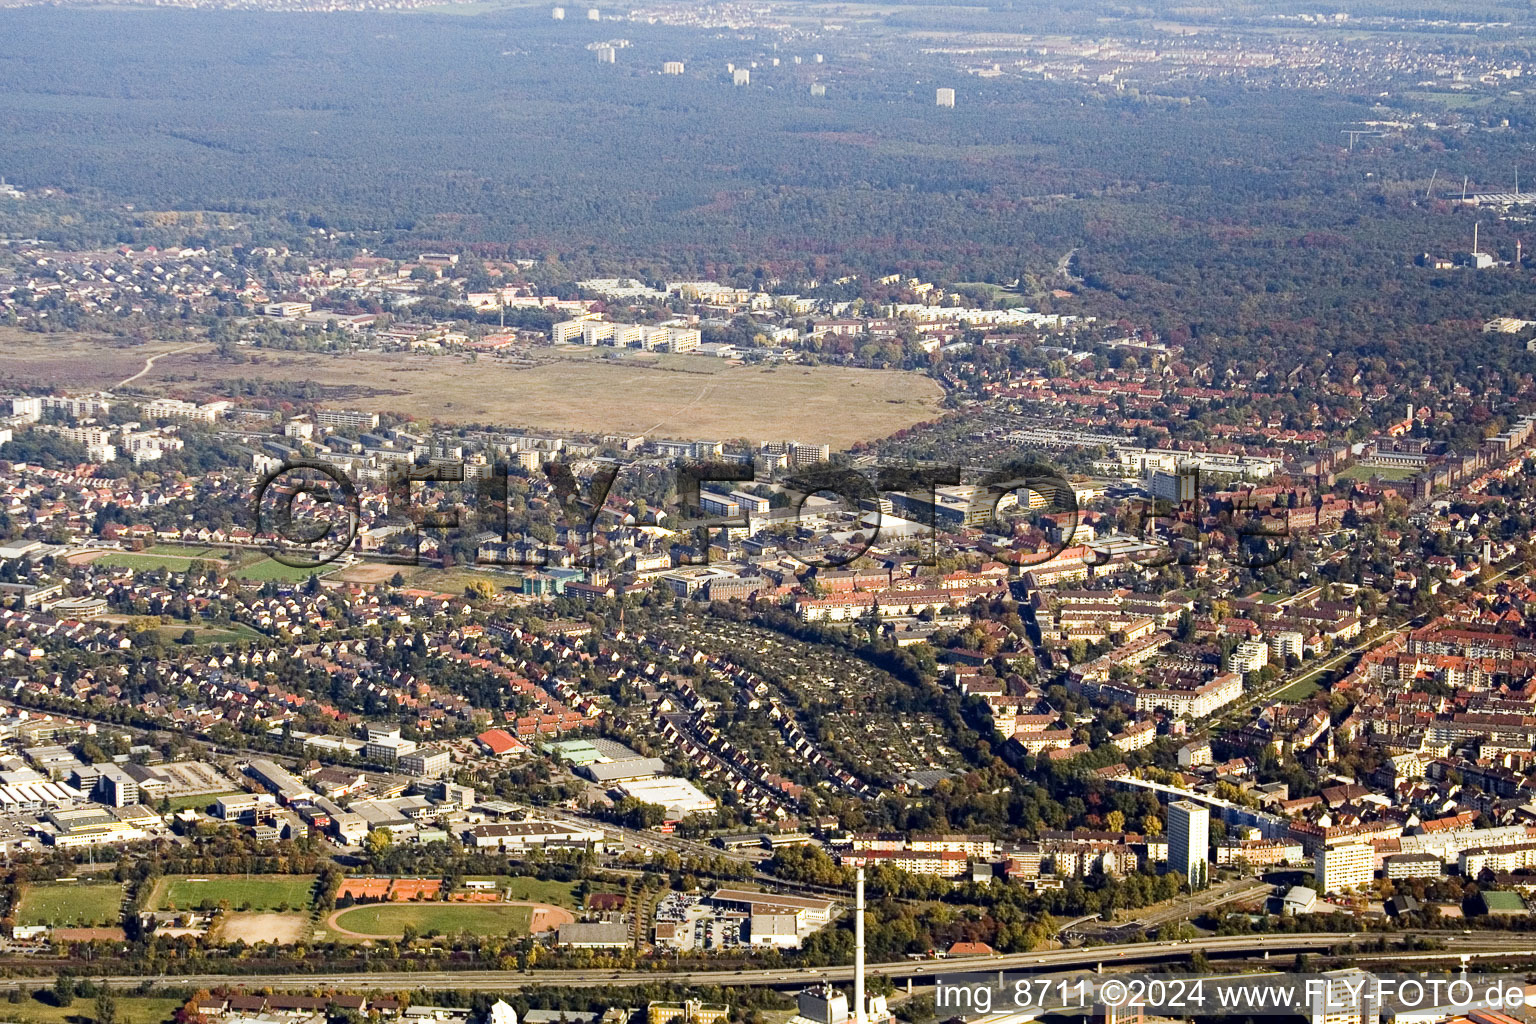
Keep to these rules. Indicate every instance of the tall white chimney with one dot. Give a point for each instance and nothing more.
(860, 1014)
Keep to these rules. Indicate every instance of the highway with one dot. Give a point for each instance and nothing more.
(1469, 944)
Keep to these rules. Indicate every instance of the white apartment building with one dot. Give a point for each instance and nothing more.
(79, 408)
(590, 330)
(1351, 866)
(795, 454)
(1248, 656)
(1514, 857)
(29, 409)
(346, 419)
(1287, 643)
(148, 445)
(1197, 703)
(1189, 840)
(176, 409)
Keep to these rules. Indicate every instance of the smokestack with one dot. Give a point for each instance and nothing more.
(860, 1015)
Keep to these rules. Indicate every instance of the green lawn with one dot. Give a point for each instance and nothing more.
(268, 569)
(1451, 100)
(254, 892)
(199, 801)
(1298, 691)
(445, 918)
(130, 1010)
(187, 551)
(558, 894)
(1380, 472)
(71, 904)
(211, 634)
(143, 562)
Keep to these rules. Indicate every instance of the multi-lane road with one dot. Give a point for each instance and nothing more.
(1501, 945)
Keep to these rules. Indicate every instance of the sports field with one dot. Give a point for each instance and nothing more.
(241, 892)
(559, 894)
(78, 904)
(389, 920)
(188, 551)
(143, 562)
(267, 569)
(254, 927)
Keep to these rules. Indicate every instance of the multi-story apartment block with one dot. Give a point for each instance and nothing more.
(1348, 866)
(1189, 840)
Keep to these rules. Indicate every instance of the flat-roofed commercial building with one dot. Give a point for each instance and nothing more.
(750, 901)
(521, 835)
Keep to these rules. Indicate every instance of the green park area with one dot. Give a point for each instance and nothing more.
(129, 1010)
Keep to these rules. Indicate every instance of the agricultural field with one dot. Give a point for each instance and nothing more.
(78, 904)
(389, 920)
(674, 396)
(241, 892)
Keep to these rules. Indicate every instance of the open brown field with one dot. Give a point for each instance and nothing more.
(571, 389)
(83, 362)
(669, 396)
(284, 929)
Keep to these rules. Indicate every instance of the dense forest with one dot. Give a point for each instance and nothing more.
(1225, 217)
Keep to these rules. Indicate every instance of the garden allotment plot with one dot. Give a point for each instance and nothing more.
(861, 718)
